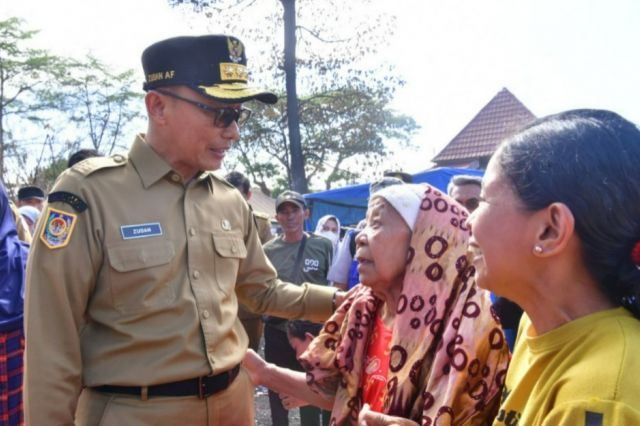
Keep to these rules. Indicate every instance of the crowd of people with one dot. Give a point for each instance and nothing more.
(141, 286)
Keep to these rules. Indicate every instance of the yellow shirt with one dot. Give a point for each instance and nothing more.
(582, 373)
(140, 288)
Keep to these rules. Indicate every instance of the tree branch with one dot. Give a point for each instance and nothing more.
(317, 36)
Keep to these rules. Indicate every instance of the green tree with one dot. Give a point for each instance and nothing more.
(50, 106)
(28, 85)
(339, 87)
(343, 130)
(100, 102)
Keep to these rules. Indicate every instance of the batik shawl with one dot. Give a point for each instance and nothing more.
(448, 356)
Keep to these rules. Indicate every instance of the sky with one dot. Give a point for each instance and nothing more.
(454, 55)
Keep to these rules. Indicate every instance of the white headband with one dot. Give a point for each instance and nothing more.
(406, 199)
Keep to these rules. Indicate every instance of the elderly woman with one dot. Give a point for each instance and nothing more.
(558, 232)
(417, 341)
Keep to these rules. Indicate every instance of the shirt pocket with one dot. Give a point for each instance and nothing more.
(141, 275)
(229, 252)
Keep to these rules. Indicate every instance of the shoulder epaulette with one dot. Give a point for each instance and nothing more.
(221, 180)
(261, 215)
(78, 204)
(93, 164)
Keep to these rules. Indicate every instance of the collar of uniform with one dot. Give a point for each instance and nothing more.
(206, 177)
(150, 166)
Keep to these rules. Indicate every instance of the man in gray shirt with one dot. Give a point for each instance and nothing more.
(298, 257)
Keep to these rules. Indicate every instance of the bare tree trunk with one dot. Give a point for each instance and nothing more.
(297, 161)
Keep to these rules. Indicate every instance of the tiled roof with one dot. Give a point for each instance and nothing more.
(500, 118)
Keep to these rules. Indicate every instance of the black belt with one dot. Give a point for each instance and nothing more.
(201, 386)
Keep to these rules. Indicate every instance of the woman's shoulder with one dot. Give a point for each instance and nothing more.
(605, 360)
(594, 411)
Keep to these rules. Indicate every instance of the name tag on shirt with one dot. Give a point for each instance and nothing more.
(142, 230)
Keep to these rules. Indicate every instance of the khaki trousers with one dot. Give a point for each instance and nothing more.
(233, 407)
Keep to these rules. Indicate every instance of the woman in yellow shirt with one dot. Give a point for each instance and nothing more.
(558, 232)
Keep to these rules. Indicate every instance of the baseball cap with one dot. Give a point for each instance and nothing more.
(290, 197)
(213, 65)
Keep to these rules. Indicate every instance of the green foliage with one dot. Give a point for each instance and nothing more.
(345, 121)
(27, 84)
(337, 127)
(48, 175)
(51, 106)
(100, 102)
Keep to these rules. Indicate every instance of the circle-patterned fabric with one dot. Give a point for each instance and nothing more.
(448, 357)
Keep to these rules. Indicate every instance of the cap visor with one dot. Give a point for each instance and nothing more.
(295, 203)
(237, 92)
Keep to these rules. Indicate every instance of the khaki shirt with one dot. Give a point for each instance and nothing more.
(263, 226)
(140, 288)
(21, 227)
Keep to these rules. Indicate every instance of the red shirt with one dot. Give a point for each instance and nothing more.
(376, 367)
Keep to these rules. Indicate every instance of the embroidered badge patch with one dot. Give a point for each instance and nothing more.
(142, 230)
(57, 230)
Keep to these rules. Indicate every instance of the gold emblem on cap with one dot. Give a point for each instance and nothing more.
(226, 225)
(235, 49)
(230, 71)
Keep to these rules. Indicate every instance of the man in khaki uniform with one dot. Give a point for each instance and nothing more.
(251, 322)
(139, 262)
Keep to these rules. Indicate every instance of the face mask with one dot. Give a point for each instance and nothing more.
(332, 236)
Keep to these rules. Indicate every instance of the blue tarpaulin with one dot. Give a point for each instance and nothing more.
(349, 204)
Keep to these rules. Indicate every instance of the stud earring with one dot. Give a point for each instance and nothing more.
(537, 249)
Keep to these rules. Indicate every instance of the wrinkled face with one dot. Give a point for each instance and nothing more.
(299, 345)
(196, 144)
(502, 234)
(467, 195)
(382, 247)
(291, 218)
(330, 225)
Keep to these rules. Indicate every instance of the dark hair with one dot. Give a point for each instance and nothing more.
(298, 328)
(460, 180)
(80, 155)
(405, 177)
(588, 160)
(377, 185)
(240, 181)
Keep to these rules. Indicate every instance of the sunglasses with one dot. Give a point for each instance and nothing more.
(223, 117)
